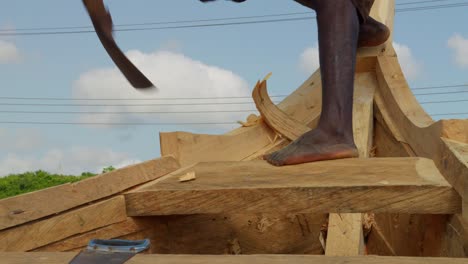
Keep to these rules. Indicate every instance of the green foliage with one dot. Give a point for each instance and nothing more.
(108, 169)
(15, 184)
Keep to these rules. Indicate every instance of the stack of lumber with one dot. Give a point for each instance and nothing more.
(406, 195)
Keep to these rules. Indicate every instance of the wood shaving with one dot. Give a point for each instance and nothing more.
(190, 176)
(265, 223)
(267, 76)
(252, 120)
(322, 241)
(277, 137)
(368, 222)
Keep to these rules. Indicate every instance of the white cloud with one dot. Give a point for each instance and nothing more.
(175, 75)
(21, 140)
(410, 65)
(9, 53)
(74, 161)
(309, 59)
(460, 46)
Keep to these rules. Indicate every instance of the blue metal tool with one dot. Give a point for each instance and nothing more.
(113, 251)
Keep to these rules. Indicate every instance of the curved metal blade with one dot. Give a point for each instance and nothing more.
(102, 22)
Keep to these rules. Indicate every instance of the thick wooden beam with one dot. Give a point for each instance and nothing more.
(44, 232)
(31, 206)
(60, 258)
(410, 185)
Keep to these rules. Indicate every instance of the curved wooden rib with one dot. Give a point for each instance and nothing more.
(409, 123)
(274, 117)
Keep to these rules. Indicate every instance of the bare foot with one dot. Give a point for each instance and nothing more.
(315, 145)
(372, 33)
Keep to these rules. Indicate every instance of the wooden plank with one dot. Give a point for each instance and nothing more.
(459, 149)
(363, 112)
(345, 237)
(56, 258)
(409, 185)
(40, 233)
(31, 206)
(190, 148)
(131, 225)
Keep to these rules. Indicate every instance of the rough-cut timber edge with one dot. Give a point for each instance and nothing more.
(35, 205)
(403, 185)
(60, 258)
(410, 124)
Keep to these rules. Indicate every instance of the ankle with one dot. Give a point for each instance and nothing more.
(338, 133)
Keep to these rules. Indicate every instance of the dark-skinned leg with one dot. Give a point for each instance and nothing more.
(338, 28)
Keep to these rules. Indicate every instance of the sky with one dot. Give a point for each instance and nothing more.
(223, 61)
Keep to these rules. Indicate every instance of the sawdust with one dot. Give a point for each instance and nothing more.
(264, 223)
(367, 223)
(234, 247)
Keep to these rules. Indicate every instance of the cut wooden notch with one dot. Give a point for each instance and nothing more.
(190, 176)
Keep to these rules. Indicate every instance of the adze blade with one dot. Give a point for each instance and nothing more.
(102, 22)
